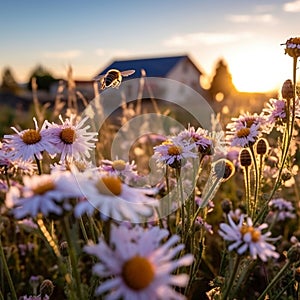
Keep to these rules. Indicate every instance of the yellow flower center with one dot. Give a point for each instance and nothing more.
(119, 165)
(138, 273)
(243, 132)
(255, 234)
(31, 136)
(174, 150)
(68, 135)
(109, 185)
(44, 187)
(167, 142)
(249, 122)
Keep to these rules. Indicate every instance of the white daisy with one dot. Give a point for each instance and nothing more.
(43, 194)
(284, 209)
(174, 151)
(125, 170)
(71, 139)
(140, 268)
(200, 137)
(46, 297)
(244, 130)
(244, 237)
(246, 120)
(114, 199)
(244, 136)
(29, 144)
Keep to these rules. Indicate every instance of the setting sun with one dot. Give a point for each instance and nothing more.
(256, 68)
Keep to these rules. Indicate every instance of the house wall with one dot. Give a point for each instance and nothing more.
(186, 73)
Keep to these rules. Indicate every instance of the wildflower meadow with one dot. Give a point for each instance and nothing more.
(139, 205)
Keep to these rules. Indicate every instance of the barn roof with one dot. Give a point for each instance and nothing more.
(154, 67)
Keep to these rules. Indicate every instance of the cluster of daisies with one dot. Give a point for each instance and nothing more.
(138, 263)
(245, 130)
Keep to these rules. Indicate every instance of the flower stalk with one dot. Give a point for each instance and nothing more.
(7, 273)
(274, 280)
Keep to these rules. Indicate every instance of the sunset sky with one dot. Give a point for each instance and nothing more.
(88, 35)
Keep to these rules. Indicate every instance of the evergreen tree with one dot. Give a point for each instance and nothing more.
(222, 81)
(9, 83)
(44, 78)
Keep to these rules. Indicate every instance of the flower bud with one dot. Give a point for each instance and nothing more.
(286, 175)
(34, 282)
(245, 158)
(226, 205)
(294, 253)
(262, 146)
(287, 90)
(224, 169)
(64, 249)
(293, 47)
(46, 288)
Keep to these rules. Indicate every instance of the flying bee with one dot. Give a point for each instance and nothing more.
(113, 78)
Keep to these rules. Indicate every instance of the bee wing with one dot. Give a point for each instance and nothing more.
(127, 72)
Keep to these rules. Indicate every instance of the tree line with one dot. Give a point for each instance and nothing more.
(221, 81)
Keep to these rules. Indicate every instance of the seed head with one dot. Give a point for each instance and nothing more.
(287, 90)
(245, 158)
(46, 288)
(262, 146)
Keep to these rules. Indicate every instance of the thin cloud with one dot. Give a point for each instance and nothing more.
(113, 52)
(200, 38)
(264, 8)
(293, 6)
(99, 52)
(261, 18)
(62, 54)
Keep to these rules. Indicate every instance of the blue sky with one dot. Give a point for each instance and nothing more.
(88, 35)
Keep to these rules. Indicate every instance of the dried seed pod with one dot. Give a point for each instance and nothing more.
(46, 288)
(64, 249)
(245, 158)
(286, 175)
(287, 90)
(262, 146)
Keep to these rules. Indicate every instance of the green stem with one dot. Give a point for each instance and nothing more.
(7, 273)
(7, 176)
(247, 189)
(244, 275)
(39, 165)
(206, 198)
(287, 139)
(286, 287)
(274, 281)
(168, 199)
(73, 257)
(179, 182)
(231, 279)
(85, 236)
(256, 190)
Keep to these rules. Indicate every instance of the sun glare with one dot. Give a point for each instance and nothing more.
(257, 69)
